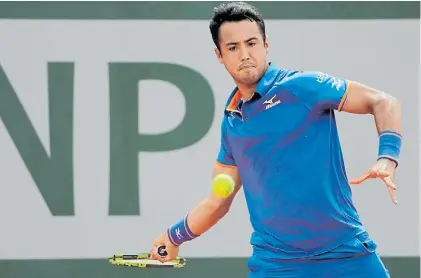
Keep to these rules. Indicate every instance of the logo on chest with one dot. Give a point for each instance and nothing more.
(271, 102)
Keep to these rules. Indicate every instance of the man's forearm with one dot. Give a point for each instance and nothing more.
(388, 117)
(388, 114)
(199, 220)
(206, 214)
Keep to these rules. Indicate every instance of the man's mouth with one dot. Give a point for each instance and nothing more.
(246, 66)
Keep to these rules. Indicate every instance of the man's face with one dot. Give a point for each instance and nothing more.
(242, 51)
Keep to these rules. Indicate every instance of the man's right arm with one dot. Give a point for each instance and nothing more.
(207, 213)
(203, 217)
(213, 208)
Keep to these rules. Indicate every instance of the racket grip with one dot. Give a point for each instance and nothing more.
(161, 251)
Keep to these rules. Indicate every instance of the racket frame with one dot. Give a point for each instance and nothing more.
(124, 260)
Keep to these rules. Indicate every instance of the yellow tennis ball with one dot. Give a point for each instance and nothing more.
(223, 185)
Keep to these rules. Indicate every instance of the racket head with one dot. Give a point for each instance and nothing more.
(144, 260)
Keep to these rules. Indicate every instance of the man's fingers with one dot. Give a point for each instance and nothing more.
(153, 253)
(379, 173)
(387, 179)
(392, 194)
(382, 174)
(167, 258)
(389, 183)
(156, 256)
(360, 179)
(159, 258)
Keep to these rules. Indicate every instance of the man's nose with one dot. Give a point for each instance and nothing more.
(244, 53)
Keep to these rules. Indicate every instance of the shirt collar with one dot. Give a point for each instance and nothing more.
(262, 88)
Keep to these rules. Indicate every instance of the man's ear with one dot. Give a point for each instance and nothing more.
(267, 45)
(218, 55)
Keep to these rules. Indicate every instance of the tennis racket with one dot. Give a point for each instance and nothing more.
(144, 260)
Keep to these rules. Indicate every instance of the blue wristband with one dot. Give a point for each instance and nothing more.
(390, 145)
(180, 232)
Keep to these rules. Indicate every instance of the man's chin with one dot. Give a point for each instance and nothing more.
(249, 77)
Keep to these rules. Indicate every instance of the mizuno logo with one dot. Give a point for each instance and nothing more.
(270, 102)
(178, 233)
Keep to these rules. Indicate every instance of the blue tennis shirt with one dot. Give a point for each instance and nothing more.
(285, 144)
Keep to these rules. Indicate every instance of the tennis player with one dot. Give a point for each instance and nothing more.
(279, 141)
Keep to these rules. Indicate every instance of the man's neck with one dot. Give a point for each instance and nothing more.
(246, 91)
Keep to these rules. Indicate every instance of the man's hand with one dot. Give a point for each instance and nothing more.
(171, 249)
(384, 170)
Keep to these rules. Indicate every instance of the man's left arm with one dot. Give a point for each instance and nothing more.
(387, 112)
(386, 109)
(321, 91)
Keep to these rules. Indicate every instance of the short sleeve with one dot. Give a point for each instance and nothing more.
(320, 90)
(225, 154)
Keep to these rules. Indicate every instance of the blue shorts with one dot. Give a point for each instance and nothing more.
(355, 259)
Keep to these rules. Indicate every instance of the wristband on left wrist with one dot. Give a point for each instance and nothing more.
(390, 143)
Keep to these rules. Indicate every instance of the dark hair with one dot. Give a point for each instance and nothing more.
(234, 11)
